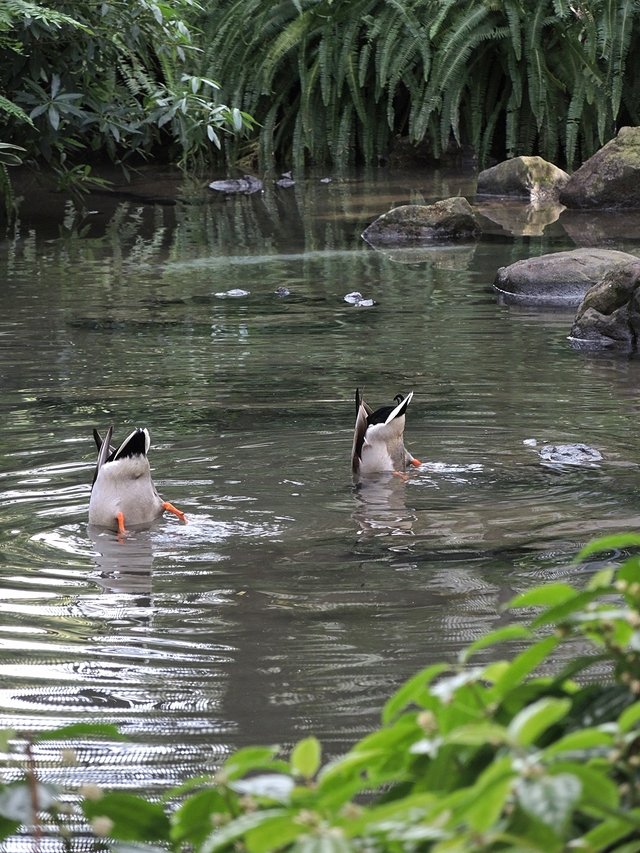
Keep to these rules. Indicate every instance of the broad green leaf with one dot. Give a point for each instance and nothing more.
(7, 827)
(249, 758)
(605, 834)
(274, 834)
(580, 741)
(271, 786)
(543, 596)
(608, 543)
(560, 612)
(534, 719)
(413, 692)
(6, 735)
(134, 818)
(629, 718)
(305, 757)
(477, 735)
(522, 666)
(502, 635)
(193, 820)
(81, 730)
(550, 798)
(601, 579)
(488, 804)
(221, 838)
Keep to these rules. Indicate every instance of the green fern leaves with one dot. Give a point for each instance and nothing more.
(337, 80)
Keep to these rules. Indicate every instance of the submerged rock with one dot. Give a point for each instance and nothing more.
(609, 315)
(450, 219)
(609, 179)
(358, 300)
(558, 279)
(247, 185)
(570, 454)
(523, 177)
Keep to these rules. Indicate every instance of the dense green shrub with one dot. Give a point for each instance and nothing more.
(487, 757)
(336, 80)
(114, 77)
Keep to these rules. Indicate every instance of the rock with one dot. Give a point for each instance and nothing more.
(609, 179)
(246, 185)
(558, 279)
(570, 454)
(524, 177)
(282, 291)
(234, 292)
(450, 219)
(611, 228)
(609, 315)
(286, 180)
(358, 300)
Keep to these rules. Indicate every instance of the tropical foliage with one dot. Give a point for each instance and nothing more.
(339, 79)
(509, 755)
(112, 78)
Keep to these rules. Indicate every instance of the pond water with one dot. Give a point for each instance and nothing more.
(290, 603)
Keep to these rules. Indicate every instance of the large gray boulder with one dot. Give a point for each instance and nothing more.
(609, 179)
(523, 177)
(558, 279)
(609, 315)
(450, 219)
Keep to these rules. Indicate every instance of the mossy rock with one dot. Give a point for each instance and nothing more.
(523, 177)
(609, 179)
(411, 224)
(609, 315)
(558, 279)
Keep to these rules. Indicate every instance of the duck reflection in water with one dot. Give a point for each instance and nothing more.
(124, 565)
(381, 507)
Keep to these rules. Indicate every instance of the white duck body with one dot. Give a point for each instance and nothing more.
(378, 438)
(122, 485)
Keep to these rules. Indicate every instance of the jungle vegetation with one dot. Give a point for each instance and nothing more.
(338, 80)
(327, 81)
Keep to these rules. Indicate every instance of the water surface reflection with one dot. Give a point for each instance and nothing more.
(290, 602)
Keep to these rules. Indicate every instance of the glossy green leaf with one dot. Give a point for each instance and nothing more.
(523, 665)
(580, 741)
(543, 596)
(274, 834)
(134, 818)
(597, 788)
(502, 635)
(477, 735)
(629, 718)
(192, 822)
(550, 798)
(81, 730)
(305, 757)
(608, 543)
(250, 758)
(560, 612)
(413, 692)
(219, 839)
(527, 726)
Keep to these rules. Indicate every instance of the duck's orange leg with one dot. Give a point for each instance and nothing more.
(121, 527)
(170, 508)
(416, 462)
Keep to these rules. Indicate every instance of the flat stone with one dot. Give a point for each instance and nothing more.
(449, 219)
(558, 279)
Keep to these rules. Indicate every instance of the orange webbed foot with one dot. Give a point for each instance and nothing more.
(170, 508)
(121, 528)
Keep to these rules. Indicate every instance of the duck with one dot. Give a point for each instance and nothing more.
(122, 489)
(378, 443)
